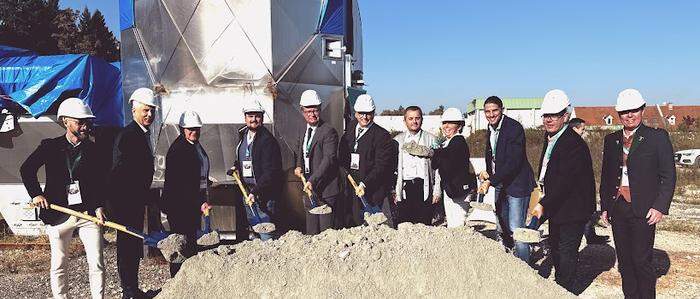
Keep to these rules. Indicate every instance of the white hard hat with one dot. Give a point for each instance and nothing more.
(144, 96)
(364, 103)
(252, 106)
(75, 108)
(309, 98)
(190, 119)
(629, 99)
(452, 114)
(555, 101)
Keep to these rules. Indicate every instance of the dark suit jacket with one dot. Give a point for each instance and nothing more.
(514, 171)
(267, 163)
(375, 149)
(569, 183)
(652, 174)
(452, 162)
(51, 154)
(182, 198)
(323, 158)
(132, 171)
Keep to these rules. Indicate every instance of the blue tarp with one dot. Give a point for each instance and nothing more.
(333, 17)
(35, 83)
(126, 14)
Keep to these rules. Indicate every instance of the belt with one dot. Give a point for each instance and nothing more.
(414, 181)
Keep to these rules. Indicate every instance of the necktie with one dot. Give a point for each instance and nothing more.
(359, 133)
(308, 140)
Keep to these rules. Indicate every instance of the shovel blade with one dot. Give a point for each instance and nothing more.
(527, 235)
(481, 206)
(153, 238)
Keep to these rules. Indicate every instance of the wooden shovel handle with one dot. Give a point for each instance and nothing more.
(87, 217)
(240, 186)
(303, 183)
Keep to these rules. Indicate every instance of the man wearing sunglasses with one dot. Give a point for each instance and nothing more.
(365, 151)
(73, 180)
(567, 181)
(636, 187)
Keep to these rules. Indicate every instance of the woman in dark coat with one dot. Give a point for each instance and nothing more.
(186, 180)
(452, 164)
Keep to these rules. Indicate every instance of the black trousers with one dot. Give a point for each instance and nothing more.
(413, 207)
(634, 245)
(315, 224)
(564, 241)
(129, 248)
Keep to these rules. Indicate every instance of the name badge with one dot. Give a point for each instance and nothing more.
(354, 161)
(73, 191)
(625, 177)
(247, 169)
(307, 169)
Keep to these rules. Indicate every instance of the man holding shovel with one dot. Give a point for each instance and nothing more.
(186, 182)
(74, 180)
(130, 179)
(365, 152)
(568, 185)
(317, 164)
(508, 170)
(259, 167)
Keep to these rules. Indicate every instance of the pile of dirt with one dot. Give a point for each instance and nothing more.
(370, 261)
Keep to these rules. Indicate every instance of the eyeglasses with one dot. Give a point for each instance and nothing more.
(633, 111)
(81, 122)
(312, 111)
(552, 116)
(365, 114)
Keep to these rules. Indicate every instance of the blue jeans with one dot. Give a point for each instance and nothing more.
(512, 213)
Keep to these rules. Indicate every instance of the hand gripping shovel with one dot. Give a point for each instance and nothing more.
(530, 233)
(479, 204)
(315, 208)
(372, 214)
(151, 239)
(259, 220)
(207, 237)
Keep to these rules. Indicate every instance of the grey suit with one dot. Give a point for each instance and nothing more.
(322, 172)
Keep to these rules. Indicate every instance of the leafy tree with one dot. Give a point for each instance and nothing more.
(399, 111)
(438, 111)
(41, 26)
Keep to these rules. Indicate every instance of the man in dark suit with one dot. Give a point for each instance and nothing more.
(316, 159)
(566, 174)
(73, 180)
(184, 196)
(131, 178)
(365, 151)
(509, 171)
(636, 187)
(259, 165)
(579, 126)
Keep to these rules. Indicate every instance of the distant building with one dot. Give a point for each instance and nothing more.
(524, 110)
(667, 116)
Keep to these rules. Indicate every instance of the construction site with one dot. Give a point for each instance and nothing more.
(213, 57)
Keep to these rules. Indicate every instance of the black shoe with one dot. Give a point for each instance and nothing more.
(596, 239)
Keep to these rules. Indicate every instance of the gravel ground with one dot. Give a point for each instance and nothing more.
(24, 271)
(32, 281)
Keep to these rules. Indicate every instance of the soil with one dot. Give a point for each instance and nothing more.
(172, 247)
(368, 261)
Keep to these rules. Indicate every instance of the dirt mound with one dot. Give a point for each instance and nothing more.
(370, 261)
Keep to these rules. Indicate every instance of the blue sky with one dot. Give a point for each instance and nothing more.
(418, 52)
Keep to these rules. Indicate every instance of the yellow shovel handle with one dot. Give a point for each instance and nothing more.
(87, 217)
(303, 183)
(240, 186)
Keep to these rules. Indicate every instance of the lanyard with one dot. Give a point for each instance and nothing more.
(550, 144)
(308, 141)
(72, 168)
